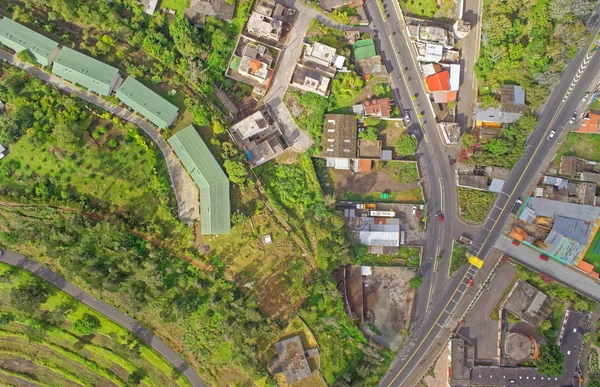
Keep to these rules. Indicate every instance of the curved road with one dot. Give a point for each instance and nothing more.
(18, 260)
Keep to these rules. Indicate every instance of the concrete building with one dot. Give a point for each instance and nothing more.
(292, 360)
(520, 347)
(528, 303)
(260, 136)
(215, 207)
(493, 117)
(19, 38)
(316, 68)
(319, 54)
(308, 79)
(330, 5)
(198, 10)
(146, 102)
(86, 71)
(253, 65)
(461, 362)
(149, 6)
(264, 27)
(339, 139)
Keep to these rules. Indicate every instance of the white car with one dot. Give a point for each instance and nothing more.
(551, 135)
(407, 117)
(573, 118)
(585, 97)
(414, 210)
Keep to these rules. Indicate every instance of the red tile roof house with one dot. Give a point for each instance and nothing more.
(438, 82)
(378, 107)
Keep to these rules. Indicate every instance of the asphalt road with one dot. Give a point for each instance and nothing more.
(18, 260)
(556, 114)
(435, 159)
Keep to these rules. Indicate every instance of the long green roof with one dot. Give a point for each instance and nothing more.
(85, 71)
(19, 38)
(364, 48)
(146, 102)
(195, 156)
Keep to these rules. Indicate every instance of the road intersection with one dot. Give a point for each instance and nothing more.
(436, 162)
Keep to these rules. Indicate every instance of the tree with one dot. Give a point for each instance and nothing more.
(406, 145)
(28, 297)
(545, 325)
(581, 306)
(66, 136)
(582, 8)
(370, 133)
(27, 56)
(559, 8)
(113, 143)
(415, 282)
(86, 324)
(551, 360)
(236, 170)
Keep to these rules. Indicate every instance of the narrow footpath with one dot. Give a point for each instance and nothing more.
(18, 260)
(185, 190)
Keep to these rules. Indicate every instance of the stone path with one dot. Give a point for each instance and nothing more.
(18, 260)
(184, 187)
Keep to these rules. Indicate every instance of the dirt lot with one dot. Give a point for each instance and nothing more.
(388, 300)
(389, 132)
(354, 292)
(412, 225)
(373, 182)
(440, 372)
(479, 328)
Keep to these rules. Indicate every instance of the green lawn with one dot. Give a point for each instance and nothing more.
(62, 356)
(427, 8)
(408, 196)
(177, 5)
(591, 256)
(459, 257)
(406, 256)
(474, 204)
(586, 146)
(403, 172)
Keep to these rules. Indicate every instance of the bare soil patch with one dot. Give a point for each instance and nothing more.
(367, 182)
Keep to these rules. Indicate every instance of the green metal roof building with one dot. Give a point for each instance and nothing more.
(86, 71)
(364, 48)
(215, 209)
(147, 103)
(20, 38)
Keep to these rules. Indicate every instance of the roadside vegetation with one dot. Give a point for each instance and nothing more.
(406, 256)
(459, 257)
(529, 43)
(474, 204)
(47, 335)
(580, 145)
(428, 8)
(412, 196)
(504, 151)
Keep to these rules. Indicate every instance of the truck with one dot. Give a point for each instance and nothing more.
(464, 240)
(383, 214)
(516, 207)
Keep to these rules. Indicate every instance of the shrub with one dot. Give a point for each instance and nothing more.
(406, 145)
(86, 324)
(415, 282)
(102, 129)
(113, 143)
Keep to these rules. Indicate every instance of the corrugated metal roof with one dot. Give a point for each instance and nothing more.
(19, 38)
(146, 102)
(364, 48)
(207, 173)
(85, 71)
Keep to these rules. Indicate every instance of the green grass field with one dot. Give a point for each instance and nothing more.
(586, 146)
(592, 257)
(45, 345)
(409, 196)
(177, 5)
(474, 204)
(426, 8)
(459, 257)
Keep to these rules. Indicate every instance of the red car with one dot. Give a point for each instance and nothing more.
(440, 216)
(543, 257)
(515, 242)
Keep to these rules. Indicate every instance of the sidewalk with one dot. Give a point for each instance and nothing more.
(184, 187)
(18, 260)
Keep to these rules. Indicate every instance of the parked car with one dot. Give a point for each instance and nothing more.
(516, 242)
(585, 97)
(407, 117)
(551, 135)
(543, 257)
(440, 216)
(414, 210)
(464, 240)
(516, 207)
(572, 120)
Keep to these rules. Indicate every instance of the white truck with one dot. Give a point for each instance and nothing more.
(382, 214)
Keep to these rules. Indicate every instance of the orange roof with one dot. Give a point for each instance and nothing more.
(590, 124)
(586, 267)
(595, 275)
(254, 65)
(364, 165)
(439, 81)
(378, 107)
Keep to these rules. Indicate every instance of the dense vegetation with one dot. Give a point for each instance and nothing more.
(67, 342)
(503, 151)
(406, 145)
(474, 204)
(459, 258)
(529, 43)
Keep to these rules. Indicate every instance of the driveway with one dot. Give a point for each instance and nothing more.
(186, 191)
(18, 260)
